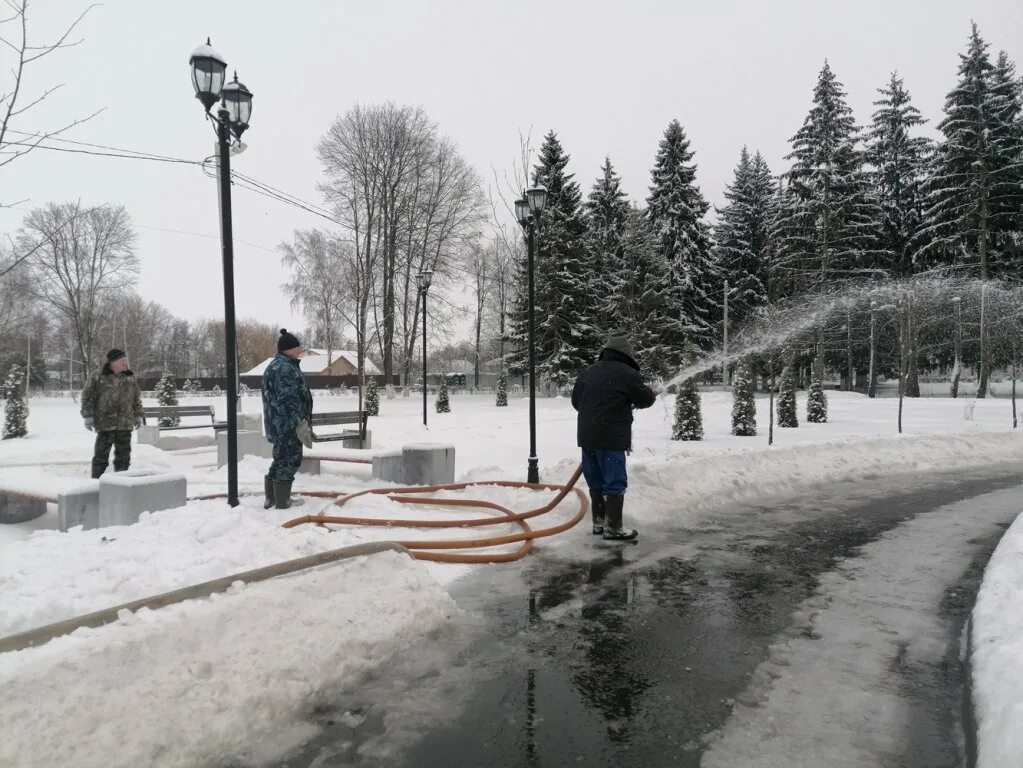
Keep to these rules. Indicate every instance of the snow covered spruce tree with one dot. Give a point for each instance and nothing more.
(676, 208)
(167, 394)
(15, 404)
(567, 325)
(975, 191)
(816, 400)
(828, 225)
(502, 391)
(607, 213)
(744, 409)
(688, 413)
(898, 165)
(787, 416)
(443, 402)
(372, 405)
(741, 234)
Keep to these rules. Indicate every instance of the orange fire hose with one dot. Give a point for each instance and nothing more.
(423, 549)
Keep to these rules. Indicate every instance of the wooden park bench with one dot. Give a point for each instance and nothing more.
(182, 411)
(337, 418)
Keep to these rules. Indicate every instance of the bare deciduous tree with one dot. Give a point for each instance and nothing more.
(315, 286)
(78, 261)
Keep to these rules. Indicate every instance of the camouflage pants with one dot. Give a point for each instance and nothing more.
(287, 459)
(120, 439)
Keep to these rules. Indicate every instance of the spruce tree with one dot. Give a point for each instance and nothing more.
(688, 413)
(502, 391)
(15, 404)
(787, 416)
(975, 191)
(898, 162)
(443, 403)
(167, 394)
(372, 404)
(744, 409)
(607, 212)
(567, 328)
(676, 208)
(829, 224)
(816, 401)
(741, 234)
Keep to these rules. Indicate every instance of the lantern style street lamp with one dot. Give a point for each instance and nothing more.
(528, 211)
(209, 72)
(424, 279)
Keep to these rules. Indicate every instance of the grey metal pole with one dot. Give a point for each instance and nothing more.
(533, 474)
(230, 341)
(725, 370)
(424, 357)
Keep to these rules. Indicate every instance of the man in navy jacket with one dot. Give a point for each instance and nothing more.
(604, 395)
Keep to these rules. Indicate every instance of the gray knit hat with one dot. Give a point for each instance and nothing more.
(619, 342)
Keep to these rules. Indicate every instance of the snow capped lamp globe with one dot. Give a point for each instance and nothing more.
(209, 70)
(522, 212)
(238, 102)
(537, 199)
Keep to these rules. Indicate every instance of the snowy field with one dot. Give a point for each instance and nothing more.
(197, 656)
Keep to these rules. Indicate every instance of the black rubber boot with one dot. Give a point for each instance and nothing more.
(282, 495)
(268, 492)
(598, 510)
(613, 530)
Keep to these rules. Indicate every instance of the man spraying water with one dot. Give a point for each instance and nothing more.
(604, 395)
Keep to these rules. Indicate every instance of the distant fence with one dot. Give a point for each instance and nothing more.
(318, 382)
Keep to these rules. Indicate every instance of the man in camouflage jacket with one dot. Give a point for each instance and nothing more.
(287, 413)
(112, 406)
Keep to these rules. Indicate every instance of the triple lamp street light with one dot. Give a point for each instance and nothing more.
(209, 72)
(528, 211)
(424, 279)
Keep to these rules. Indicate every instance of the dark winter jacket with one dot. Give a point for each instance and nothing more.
(112, 400)
(605, 394)
(286, 398)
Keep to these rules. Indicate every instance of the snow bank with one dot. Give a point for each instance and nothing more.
(198, 683)
(998, 655)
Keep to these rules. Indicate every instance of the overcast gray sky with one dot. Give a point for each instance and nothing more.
(607, 76)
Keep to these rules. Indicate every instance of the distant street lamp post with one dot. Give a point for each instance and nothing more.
(209, 70)
(425, 278)
(528, 211)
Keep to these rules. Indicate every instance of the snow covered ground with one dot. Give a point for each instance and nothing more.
(998, 655)
(47, 576)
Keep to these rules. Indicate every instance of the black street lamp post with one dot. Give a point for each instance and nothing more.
(425, 278)
(528, 211)
(208, 74)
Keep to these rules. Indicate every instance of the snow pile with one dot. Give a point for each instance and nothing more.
(198, 683)
(998, 655)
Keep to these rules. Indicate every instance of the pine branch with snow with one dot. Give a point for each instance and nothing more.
(688, 412)
(15, 404)
(744, 409)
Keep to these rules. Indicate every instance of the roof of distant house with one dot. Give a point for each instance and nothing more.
(315, 361)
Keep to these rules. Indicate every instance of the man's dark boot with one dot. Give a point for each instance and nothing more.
(613, 530)
(282, 495)
(598, 511)
(268, 492)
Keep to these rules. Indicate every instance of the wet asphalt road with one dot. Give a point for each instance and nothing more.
(631, 655)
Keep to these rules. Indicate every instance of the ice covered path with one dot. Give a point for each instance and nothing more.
(818, 630)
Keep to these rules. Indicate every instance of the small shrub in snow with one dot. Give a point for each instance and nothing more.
(167, 394)
(373, 398)
(443, 403)
(816, 401)
(787, 399)
(15, 407)
(502, 391)
(744, 410)
(688, 413)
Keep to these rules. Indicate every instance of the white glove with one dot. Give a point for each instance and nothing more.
(305, 433)
(138, 423)
(89, 423)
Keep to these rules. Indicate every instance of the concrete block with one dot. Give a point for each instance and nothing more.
(149, 435)
(354, 442)
(428, 464)
(309, 467)
(79, 506)
(389, 466)
(18, 509)
(123, 496)
(250, 422)
(249, 444)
